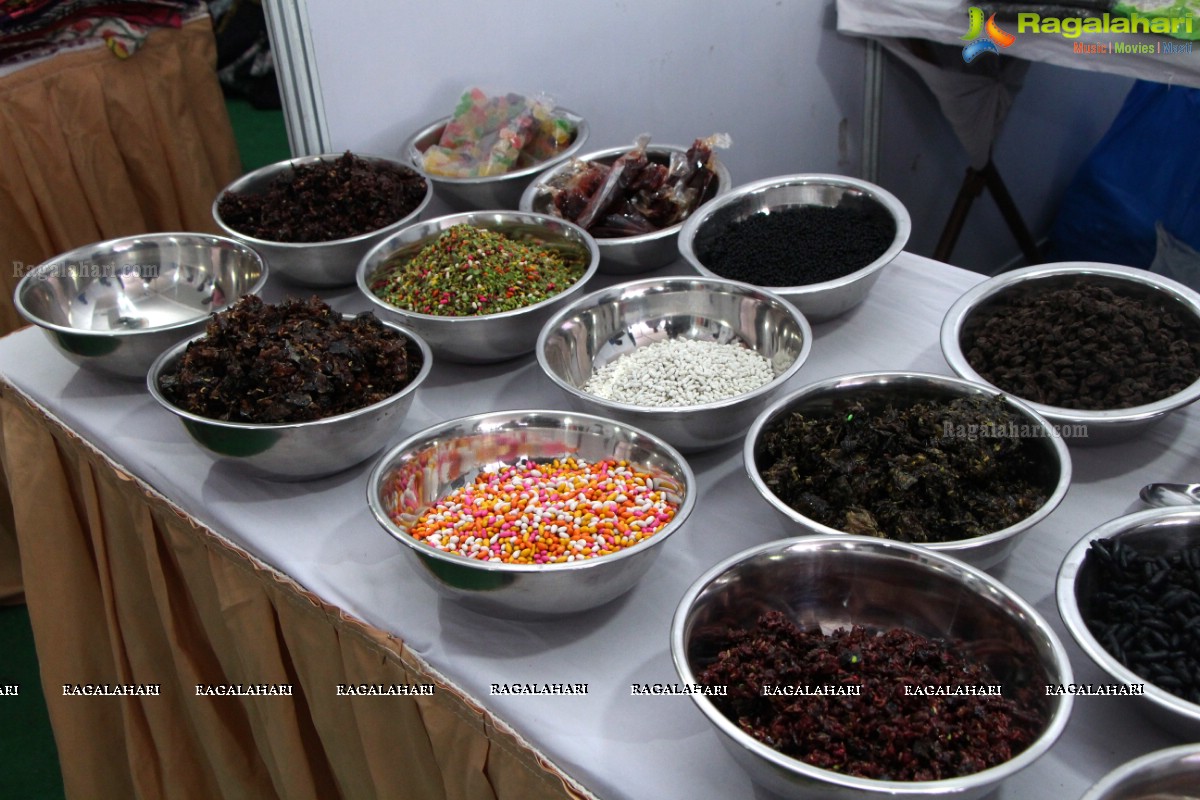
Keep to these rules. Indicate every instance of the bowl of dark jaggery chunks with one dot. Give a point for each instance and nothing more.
(848, 666)
(1102, 351)
(313, 218)
(291, 391)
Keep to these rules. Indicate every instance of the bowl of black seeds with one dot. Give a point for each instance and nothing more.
(1129, 594)
(847, 666)
(818, 240)
(1102, 351)
(940, 462)
(313, 218)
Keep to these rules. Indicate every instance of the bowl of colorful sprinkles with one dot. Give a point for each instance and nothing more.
(692, 360)
(1101, 350)
(818, 240)
(291, 391)
(478, 286)
(531, 513)
(848, 666)
(313, 218)
(927, 459)
(1129, 594)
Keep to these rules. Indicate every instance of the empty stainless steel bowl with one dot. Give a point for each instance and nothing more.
(1172, 773)
(1155, 532)
(906, 387)
(599, 328)
(819, 301)
(414, 474)
(487, 337)
(114, 306)
(838, 581)
(1078, 426)
(627, 255)
(298, 451)
(313, 264)
(491, 192)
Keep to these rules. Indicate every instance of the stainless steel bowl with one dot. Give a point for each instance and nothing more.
(489, 337)
(841, 581)
(627, 255)
(1169, 774)
(1080, 427)
(982, 552)
(1157, 531)
(493, 192)
(113, 306)
(819, 301)
(422, 469)
(297, 451)
(605, 325)
(313, 264)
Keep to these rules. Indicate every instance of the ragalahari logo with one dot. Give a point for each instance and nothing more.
(983, 37)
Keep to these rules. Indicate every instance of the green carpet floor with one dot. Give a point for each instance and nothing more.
(28, 756)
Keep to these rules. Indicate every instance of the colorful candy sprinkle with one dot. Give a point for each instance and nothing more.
(547, 513)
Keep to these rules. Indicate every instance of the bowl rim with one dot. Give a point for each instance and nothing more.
(386, 461)
(173, 352)
(665, 285)
(35, 275)
(536, 187)
(438, 225)
(1055, 725)
(278, 167)
(961, 387)
(411, 154)
(1068, 608)
(889, 201)
(1132, 768)
(960, 311)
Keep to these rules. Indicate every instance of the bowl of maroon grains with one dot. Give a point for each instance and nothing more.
(632, 199)
(478, 286)
(313, 218)
(1102, 351)
(941, 462)
(1129, 593)
(291, 391)
(818, 240)
(848, 666)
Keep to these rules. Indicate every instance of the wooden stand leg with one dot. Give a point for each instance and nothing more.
(972, 186)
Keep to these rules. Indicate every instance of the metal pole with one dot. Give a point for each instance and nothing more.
(296, 71)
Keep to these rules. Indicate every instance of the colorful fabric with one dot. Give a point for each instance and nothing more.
(32, 29)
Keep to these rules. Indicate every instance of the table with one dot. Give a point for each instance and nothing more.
(148, 563)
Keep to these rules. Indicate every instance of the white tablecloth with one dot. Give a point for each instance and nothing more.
(619, 746)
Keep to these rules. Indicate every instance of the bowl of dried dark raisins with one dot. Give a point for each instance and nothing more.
(292, 391)
(1129, 594)
(818, 240)
(848, 666)
(112, 307)
(313, 218)
(1102, 351)
(941, 462)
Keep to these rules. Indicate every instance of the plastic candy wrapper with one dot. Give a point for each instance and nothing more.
(493, 135)
(635, 194)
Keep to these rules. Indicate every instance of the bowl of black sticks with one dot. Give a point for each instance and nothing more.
(818, 240)
(1129, 594)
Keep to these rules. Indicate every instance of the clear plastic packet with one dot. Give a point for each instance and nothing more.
(495, 134)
